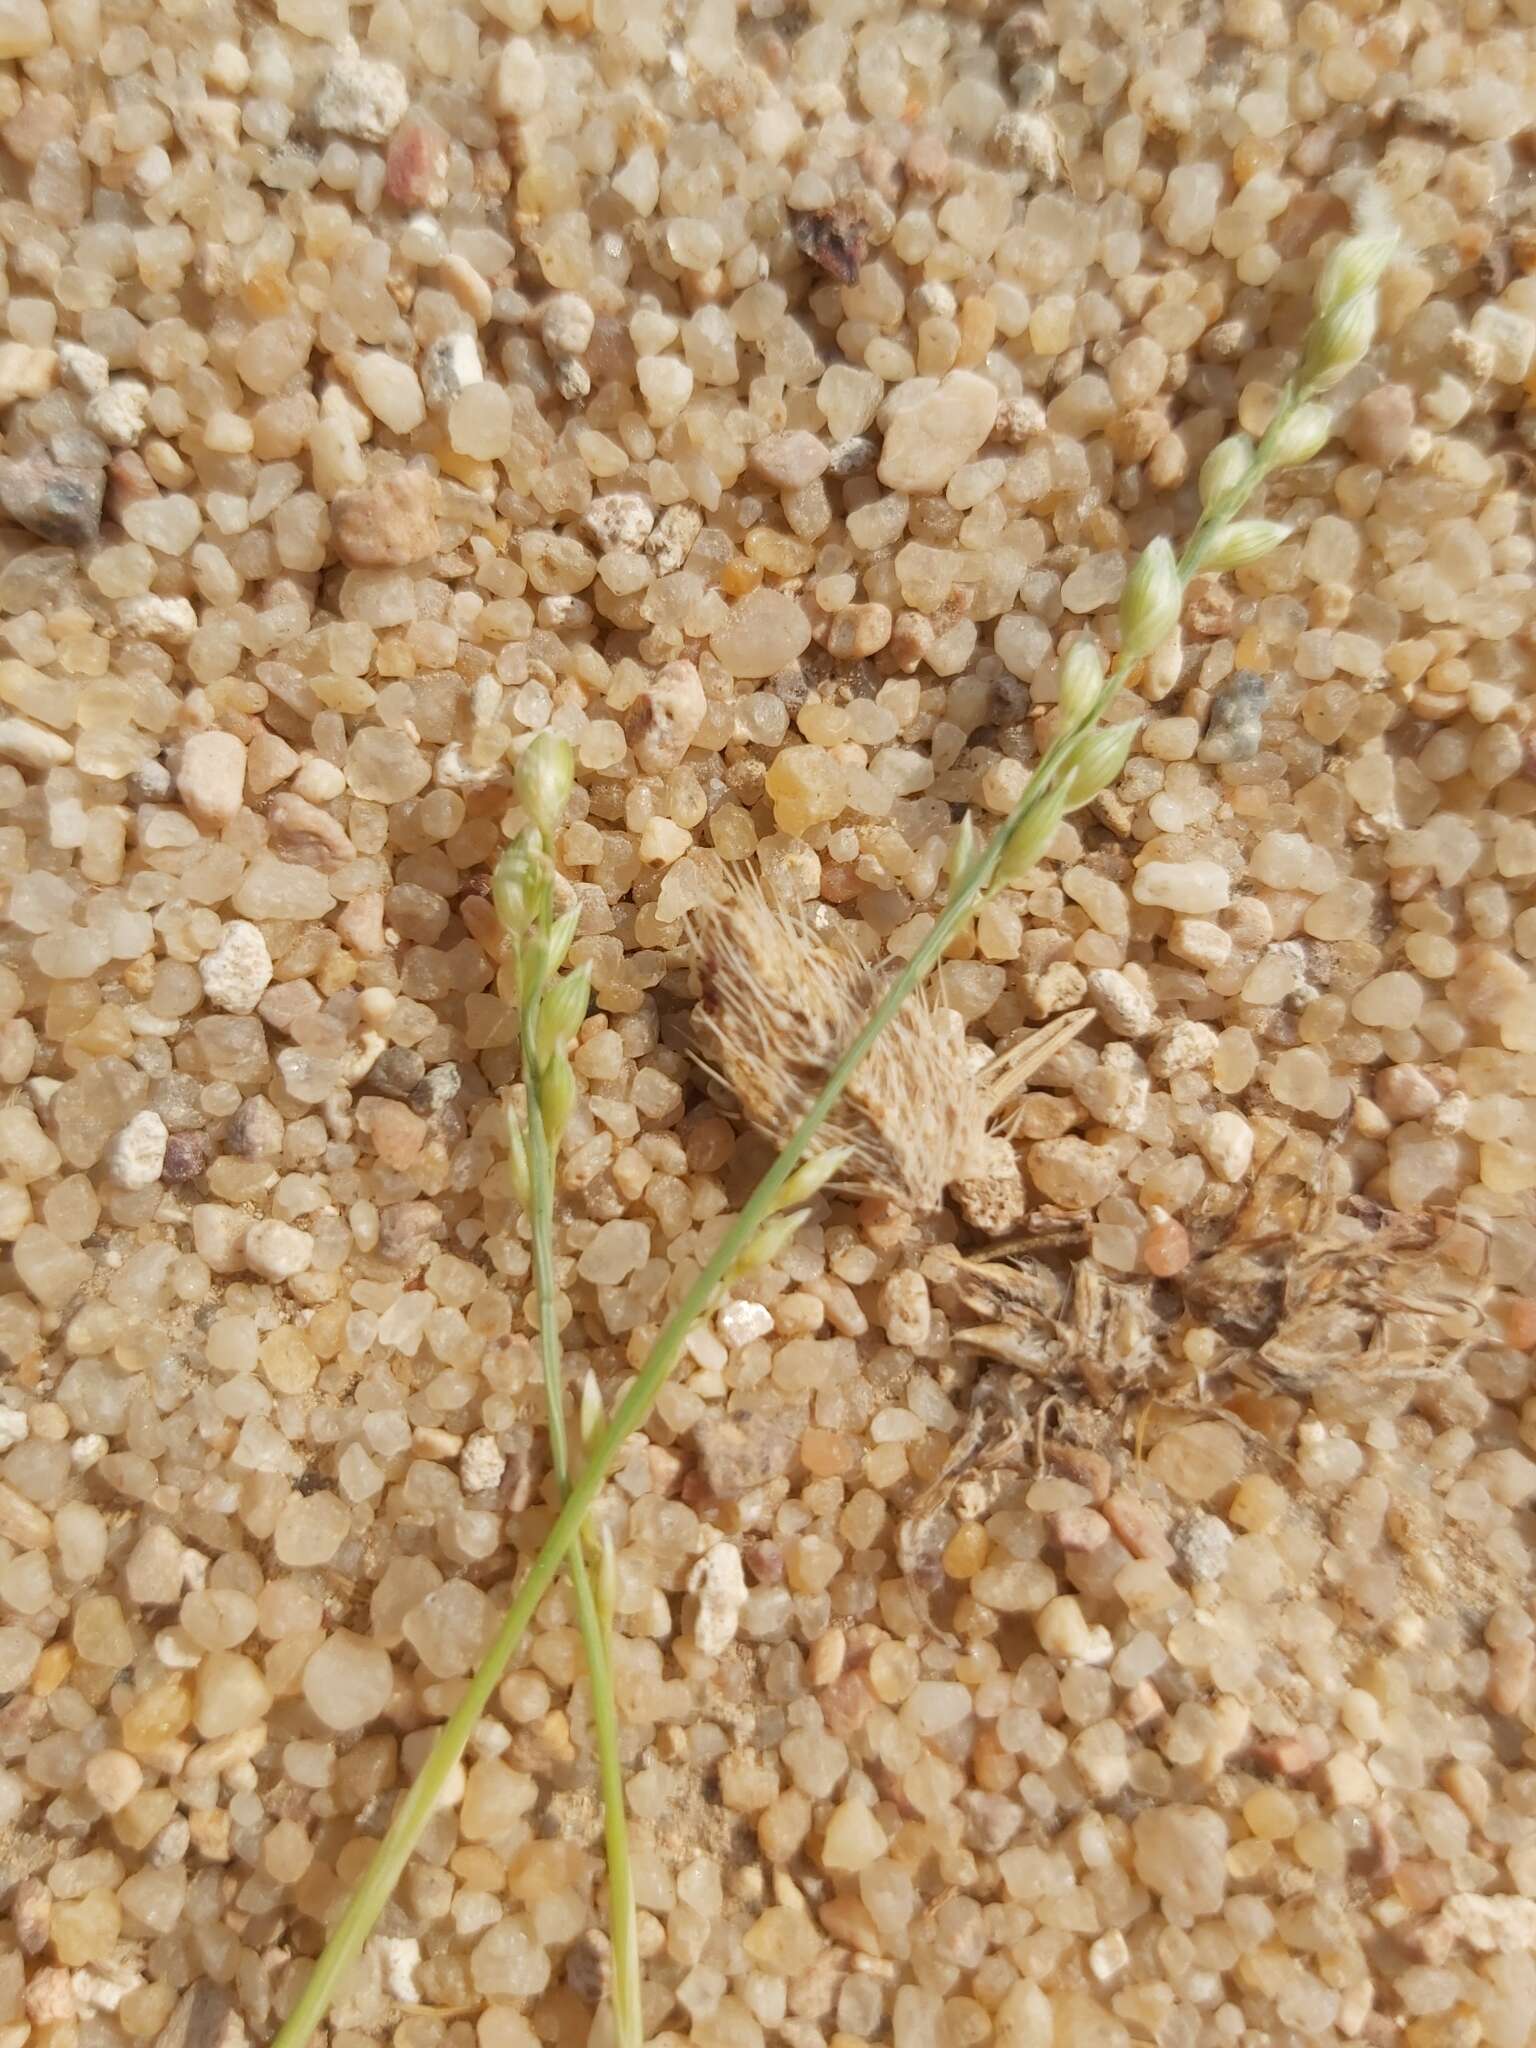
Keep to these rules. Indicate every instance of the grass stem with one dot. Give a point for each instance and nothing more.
(1359, 266)
(594, 1627)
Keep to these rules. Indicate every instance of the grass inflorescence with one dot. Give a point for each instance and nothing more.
(1083, 759)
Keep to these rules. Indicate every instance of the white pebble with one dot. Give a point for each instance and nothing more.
(615, 1252)
(518, 87)
(363, 97)
(482, 1463)
(319, 780)
(1227, 1143)
(664, 719)
(666, 385)
(238, 972)
(399, 1960)
(82, 369)
(390, 390)
(170, 621)
(32, 746)
(1199, 942)
(1063, 1630)
(1186, 1047)
(450, 366)
(721, 1589)
(1192, 886)
(742, 1322)
(135, 1155)
(276, 1250)
(1126, 1009)
(621, 520)
(119, 414)
(566, 323)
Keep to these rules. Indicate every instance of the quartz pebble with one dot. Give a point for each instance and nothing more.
(210, 777)
(24, 28)
(789, 460)
(1379, 427)
(1192, 887)
(1197, 1460)
(1227, 1142)
(739, 1451)
(1180, 1855)
(277, 1250)
(56, 502)
(347, 1682)
(665, 717)
(388, 523)
(765, 631)
(940, 424)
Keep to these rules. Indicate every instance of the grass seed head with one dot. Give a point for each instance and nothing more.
(780, 1003)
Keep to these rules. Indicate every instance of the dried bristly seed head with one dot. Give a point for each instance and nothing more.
(779, 1004)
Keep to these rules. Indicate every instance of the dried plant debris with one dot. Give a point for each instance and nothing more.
(1302, 1288)
(1304, 1291)
(1085, 1329)
(781, 1000)
(835, 238)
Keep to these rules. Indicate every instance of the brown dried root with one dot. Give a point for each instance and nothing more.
(780, 1002)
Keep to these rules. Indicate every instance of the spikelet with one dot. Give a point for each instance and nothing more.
(780, 1003)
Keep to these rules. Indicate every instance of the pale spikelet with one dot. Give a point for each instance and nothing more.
(781, 1001)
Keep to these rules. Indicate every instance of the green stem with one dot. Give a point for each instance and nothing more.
(623, 1932)
(415, 1809)
(394, 1851)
